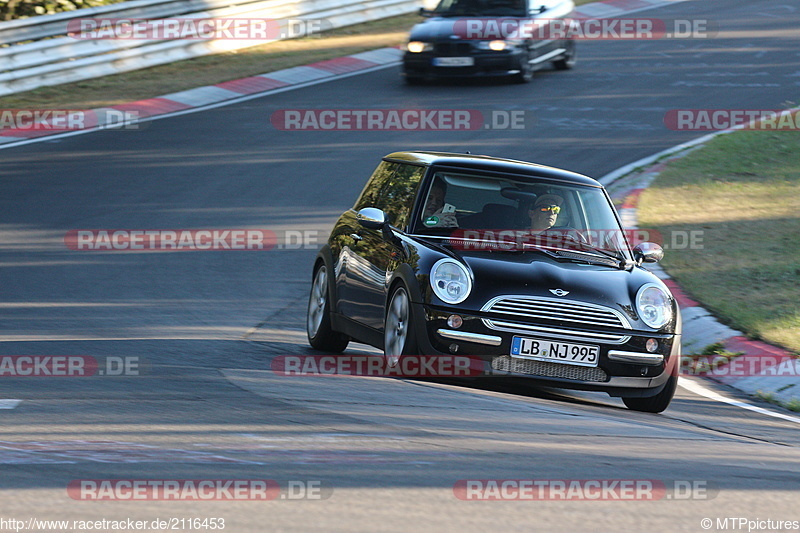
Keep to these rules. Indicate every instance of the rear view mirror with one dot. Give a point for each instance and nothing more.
(371, 218)
(648, 252)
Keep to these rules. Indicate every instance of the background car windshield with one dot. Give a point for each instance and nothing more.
(492, 205)
(513, 8)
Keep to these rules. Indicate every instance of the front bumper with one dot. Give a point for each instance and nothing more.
(625, 367)
(486, 63)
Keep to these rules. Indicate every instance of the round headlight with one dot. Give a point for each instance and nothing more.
(450, 281)
(654, 305)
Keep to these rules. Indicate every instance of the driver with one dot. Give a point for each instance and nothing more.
(544, 212)
(544, 215)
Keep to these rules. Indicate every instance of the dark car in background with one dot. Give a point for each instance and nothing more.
(521, 265)
(475, 38)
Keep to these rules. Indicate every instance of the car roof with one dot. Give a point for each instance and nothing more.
(492, 164)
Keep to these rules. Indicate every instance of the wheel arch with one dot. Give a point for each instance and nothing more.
(325, 257)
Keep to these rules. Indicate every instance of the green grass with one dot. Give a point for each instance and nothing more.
(743, 191)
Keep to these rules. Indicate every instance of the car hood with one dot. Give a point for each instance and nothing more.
(435, 29)
(537, 274)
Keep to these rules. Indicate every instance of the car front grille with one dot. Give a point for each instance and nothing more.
(555, 318)
(507, 363)
(452, 49)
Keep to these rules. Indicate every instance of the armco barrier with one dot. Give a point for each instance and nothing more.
(63, 59)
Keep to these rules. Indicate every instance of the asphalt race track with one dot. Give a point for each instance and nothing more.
(385, 455)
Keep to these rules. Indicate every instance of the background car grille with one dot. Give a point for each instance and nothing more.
(452, 49)
(557, 318)
(551, 370)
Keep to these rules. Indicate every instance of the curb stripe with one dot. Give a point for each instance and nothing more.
(254, 84)
(342, 65)
(696, 388)
(751, 348)
(683, 300)
(152, 106)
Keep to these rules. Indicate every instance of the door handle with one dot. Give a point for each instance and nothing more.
(356, 237)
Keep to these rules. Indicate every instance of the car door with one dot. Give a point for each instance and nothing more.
(374, 252)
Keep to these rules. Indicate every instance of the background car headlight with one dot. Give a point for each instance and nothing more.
(497, 45)
(416, 47)
(491, 45)
(450, 281)
(654, 305)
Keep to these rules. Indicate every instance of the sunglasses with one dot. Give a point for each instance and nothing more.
(554, 208)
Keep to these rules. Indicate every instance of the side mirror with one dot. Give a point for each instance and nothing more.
(648, 252)
(371, 218)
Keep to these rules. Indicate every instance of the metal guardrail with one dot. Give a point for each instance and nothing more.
(54, 58)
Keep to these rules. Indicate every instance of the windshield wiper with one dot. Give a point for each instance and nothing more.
(588, 247)
(591, 255)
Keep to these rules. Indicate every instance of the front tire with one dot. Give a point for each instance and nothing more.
(657, 403)
(398, 329)
(321, 335)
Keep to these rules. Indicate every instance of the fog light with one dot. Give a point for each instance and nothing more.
(651, 345)
(453, 348)
(454, 321)
(643, 371)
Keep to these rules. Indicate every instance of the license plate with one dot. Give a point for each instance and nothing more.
(555, 351)
(453, 61)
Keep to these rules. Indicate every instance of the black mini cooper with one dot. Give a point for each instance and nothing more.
(523, 266)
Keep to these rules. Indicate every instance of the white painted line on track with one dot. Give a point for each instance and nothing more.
(9, 404)
(696, 388)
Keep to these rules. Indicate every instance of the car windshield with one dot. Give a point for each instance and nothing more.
(511, 8)
(521, 214)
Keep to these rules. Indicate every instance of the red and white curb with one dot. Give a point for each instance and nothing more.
(229, 91)
(614, 8)
(776, 376)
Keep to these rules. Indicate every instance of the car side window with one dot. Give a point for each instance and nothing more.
(399, 192)
(371, 195)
